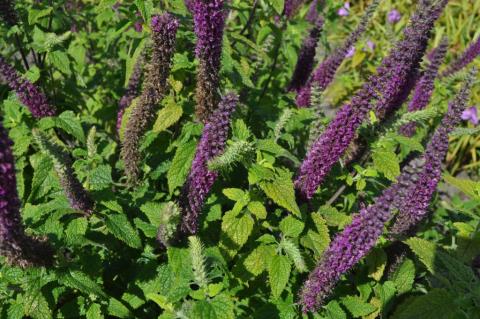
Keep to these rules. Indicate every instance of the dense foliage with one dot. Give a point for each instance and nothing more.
(239, 159)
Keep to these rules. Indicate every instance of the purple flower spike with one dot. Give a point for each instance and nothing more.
(164, 30)
(350, 53)
(418, 196)
(325, 72)
(313, 11)
(28, 93)
(382, 91)
(351, 245)
(424, 87)
(209, 21)
(7, 12)
(393, 16)
(305, 61)
(291, 7)
(465, 59)
(471, 114)
(200, 179)
(19, 248)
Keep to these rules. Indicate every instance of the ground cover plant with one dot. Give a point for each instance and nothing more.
(239, 159)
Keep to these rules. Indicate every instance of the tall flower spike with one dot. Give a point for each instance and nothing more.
(164, 29)
(306, 57)
(7, 12)
(424, 87)
(28, 93)
(466, 58)
(291, 7)
(380, 91)
(131, 91)
(209, 21)
(77, 196)
(15, 245)
(351, 245)
(313, 11)
(414, 207)
(325, 72)
(201, 179)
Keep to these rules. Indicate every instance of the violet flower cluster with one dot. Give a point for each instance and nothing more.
(15, 245)
(77, 195)
(7, 12)
(325, 72)
(201, 179)
(306, 56)
(291, 6)
(414, 208)
(28, 93)
(313, 10)
(131, 91)
(164, 30)
(411, 195)
(351, 245)
(424, 87)
(466, 58)
(382, 91)
(209, 22)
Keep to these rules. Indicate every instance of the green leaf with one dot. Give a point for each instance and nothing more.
(376, 262)
(118, 309)
(121, 228)
(237, 229)
(223, 307)
(258, 259)
(36, 15)
(146, 8)
(357, 307)
(386, 163)
(167, 116)
(278, 274)
(94, 312)
(60, 60)
(437, 304)
(281, 191)
(36, 306)
(78, 280)
(425, 251)
(235, 194)
(162, 302)
(467, 186)
(258, 209)
(100, 177)
(292, 227)
(181, 164)
(404, 276)
(68, 122)
(334, 311)
(76, 230)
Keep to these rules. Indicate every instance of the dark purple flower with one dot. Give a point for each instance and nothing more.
(15, 245)
(200, 180)
(344, 10)
(291, 7)
(466, 58)
(305, 61)
(381, 91)
(393, 16)
(424, 87)
(209, 21)
(138, 26)
(131, 92)
(28, 93)
(325, 72)
(313, 11)
(471, 114)
(7, 12)
(351, 245)
(164, 30)
(418, 196)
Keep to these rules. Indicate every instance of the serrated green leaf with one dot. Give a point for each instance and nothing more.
(386, 163)
(75, 231)
(118, 309)
(36, 306)
(181, 163)
(237, 229)
(437, 304)
(278, 274)
(259, 259)
(467, 186)
(357, 307)
(404, 276)
(334, 311)
(258, 209)
(292, 227)
(376, 262)
(281, 191)
(167, 116)
(78, 280)
(100, 177)
(68, 122)
(94, 312)
(121, 228)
